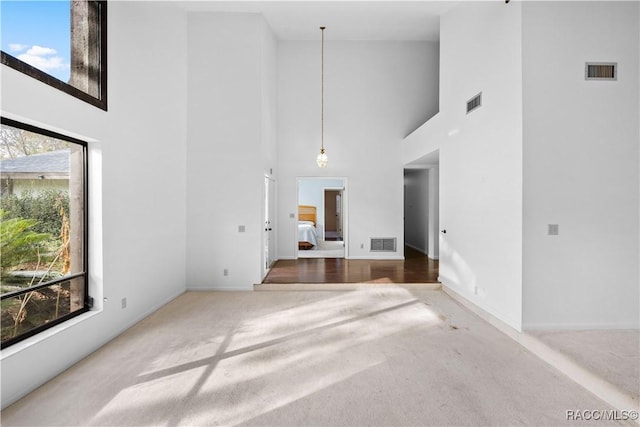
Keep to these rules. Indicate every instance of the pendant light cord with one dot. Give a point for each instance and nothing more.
(322, 94)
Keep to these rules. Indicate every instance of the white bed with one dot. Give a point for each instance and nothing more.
(307, 233)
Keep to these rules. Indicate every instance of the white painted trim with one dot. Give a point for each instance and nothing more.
(220, 288)
(587, 379)
(485, 315)
(583, 377)
(382, 258)
(578, 326)
(476, 305)
(338, 286)
(46, 334)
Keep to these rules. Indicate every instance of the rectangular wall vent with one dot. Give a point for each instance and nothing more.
(383, 244)
(601, 71)
(474, 103)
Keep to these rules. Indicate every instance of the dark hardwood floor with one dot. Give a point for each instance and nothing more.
(416, 268)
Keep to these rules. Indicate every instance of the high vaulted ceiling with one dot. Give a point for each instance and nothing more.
(345, 20)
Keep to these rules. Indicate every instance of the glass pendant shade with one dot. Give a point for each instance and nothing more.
(322, 159)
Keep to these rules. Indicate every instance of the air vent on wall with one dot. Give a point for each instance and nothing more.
(601, 71)
(383, 244)
(474, 103)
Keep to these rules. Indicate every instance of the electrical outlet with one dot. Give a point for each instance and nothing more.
(226, 272)
(292, 215)
(124, 303)
(361, 245)
(241, 228)
(553, 229)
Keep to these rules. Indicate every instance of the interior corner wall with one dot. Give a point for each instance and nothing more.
(481, 157)
(416, 209)
(137, 166)
(581, 166)
(375, 94)
(228, 139)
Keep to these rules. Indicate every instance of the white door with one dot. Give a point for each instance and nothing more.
(269, 225)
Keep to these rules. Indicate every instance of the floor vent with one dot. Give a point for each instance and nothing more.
(601, 71)
(474, 103)
(383, 244)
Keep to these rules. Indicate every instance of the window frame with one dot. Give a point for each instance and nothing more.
(101, 102)
(88, 301)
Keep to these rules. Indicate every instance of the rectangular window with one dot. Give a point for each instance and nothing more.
(61, 43)
(43, 230)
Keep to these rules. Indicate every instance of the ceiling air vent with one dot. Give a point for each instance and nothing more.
(383, 244)
(601, 71)
(474, 103)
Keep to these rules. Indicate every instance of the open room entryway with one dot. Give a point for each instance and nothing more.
(268, 236)
(333, 214)
(422, 205)
(321, 218)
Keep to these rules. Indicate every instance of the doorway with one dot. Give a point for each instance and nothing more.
(333, 214)
(422, 205)
(322, 218)
(268, 236)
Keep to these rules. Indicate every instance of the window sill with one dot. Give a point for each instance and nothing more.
(46, 334)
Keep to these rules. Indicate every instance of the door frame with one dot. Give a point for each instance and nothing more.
(324, 208)
(345, 209)
(263, 261)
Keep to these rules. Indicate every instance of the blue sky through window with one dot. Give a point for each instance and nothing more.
(38, 33)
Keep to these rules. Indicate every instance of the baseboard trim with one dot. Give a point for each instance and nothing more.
(220, 288)
(485, 315)
(340, 287)
(595, 384)
(577, 326)
(381, 258)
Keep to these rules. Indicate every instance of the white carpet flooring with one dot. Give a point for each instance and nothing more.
(611, 354)
(379, 355)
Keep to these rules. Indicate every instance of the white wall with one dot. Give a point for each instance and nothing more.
(269, 68)
(375, 94)
(137, 185)
(580, 166)
(231, 85)
(481, 156)
(416, 209)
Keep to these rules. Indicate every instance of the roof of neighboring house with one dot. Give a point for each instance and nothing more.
(52, 162)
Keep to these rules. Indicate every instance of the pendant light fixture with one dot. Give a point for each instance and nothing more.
(322, 158)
